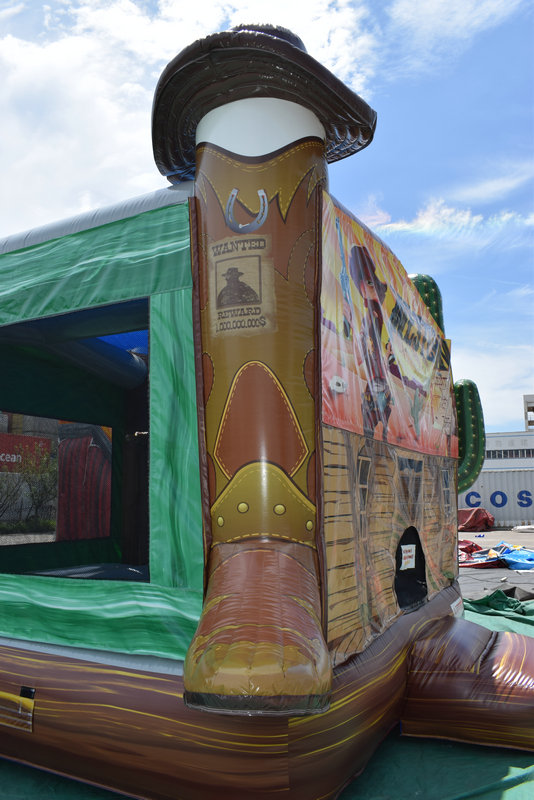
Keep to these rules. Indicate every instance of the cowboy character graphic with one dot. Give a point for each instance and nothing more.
(376, 400)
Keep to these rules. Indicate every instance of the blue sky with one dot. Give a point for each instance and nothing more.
(447, 182)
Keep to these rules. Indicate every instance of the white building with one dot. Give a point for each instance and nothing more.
(510, 450)
(505, 486)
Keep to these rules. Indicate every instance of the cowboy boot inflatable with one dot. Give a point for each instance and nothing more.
(260, 168)
(256, 234)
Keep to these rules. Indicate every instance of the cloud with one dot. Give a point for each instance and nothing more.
(503, 375)
(493, 345)
(445, 241)
(433, 20)
(11, 11)
(513, 176)
(338, 33)
(76, 95)
(460, 227)
(75, 128)
(437, 220)
(430, 31)
(507, 300)
(495, 301)
(371, 214)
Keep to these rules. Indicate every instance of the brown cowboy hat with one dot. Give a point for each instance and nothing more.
(250, 61)
(232, 271)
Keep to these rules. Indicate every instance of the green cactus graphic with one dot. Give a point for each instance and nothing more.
(471, 434)
(429, 291)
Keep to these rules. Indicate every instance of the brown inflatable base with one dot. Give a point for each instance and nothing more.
(131, 732)
(470, 684)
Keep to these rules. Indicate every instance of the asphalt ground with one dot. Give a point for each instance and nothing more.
(476, 582)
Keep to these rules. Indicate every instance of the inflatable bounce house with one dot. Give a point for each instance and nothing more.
(231, 447)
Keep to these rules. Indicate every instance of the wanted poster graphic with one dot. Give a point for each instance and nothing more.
(241, 286)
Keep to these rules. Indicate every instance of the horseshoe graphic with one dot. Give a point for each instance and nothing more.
(247, 227)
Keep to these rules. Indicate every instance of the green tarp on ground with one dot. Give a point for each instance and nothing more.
(406, 769)
(502, 612)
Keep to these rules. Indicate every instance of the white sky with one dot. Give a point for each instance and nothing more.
(447, 183)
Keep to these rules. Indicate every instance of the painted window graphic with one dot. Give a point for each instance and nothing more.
(73, 446)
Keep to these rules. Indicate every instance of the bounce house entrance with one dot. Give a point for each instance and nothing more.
(74, 430)
(410, 571)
